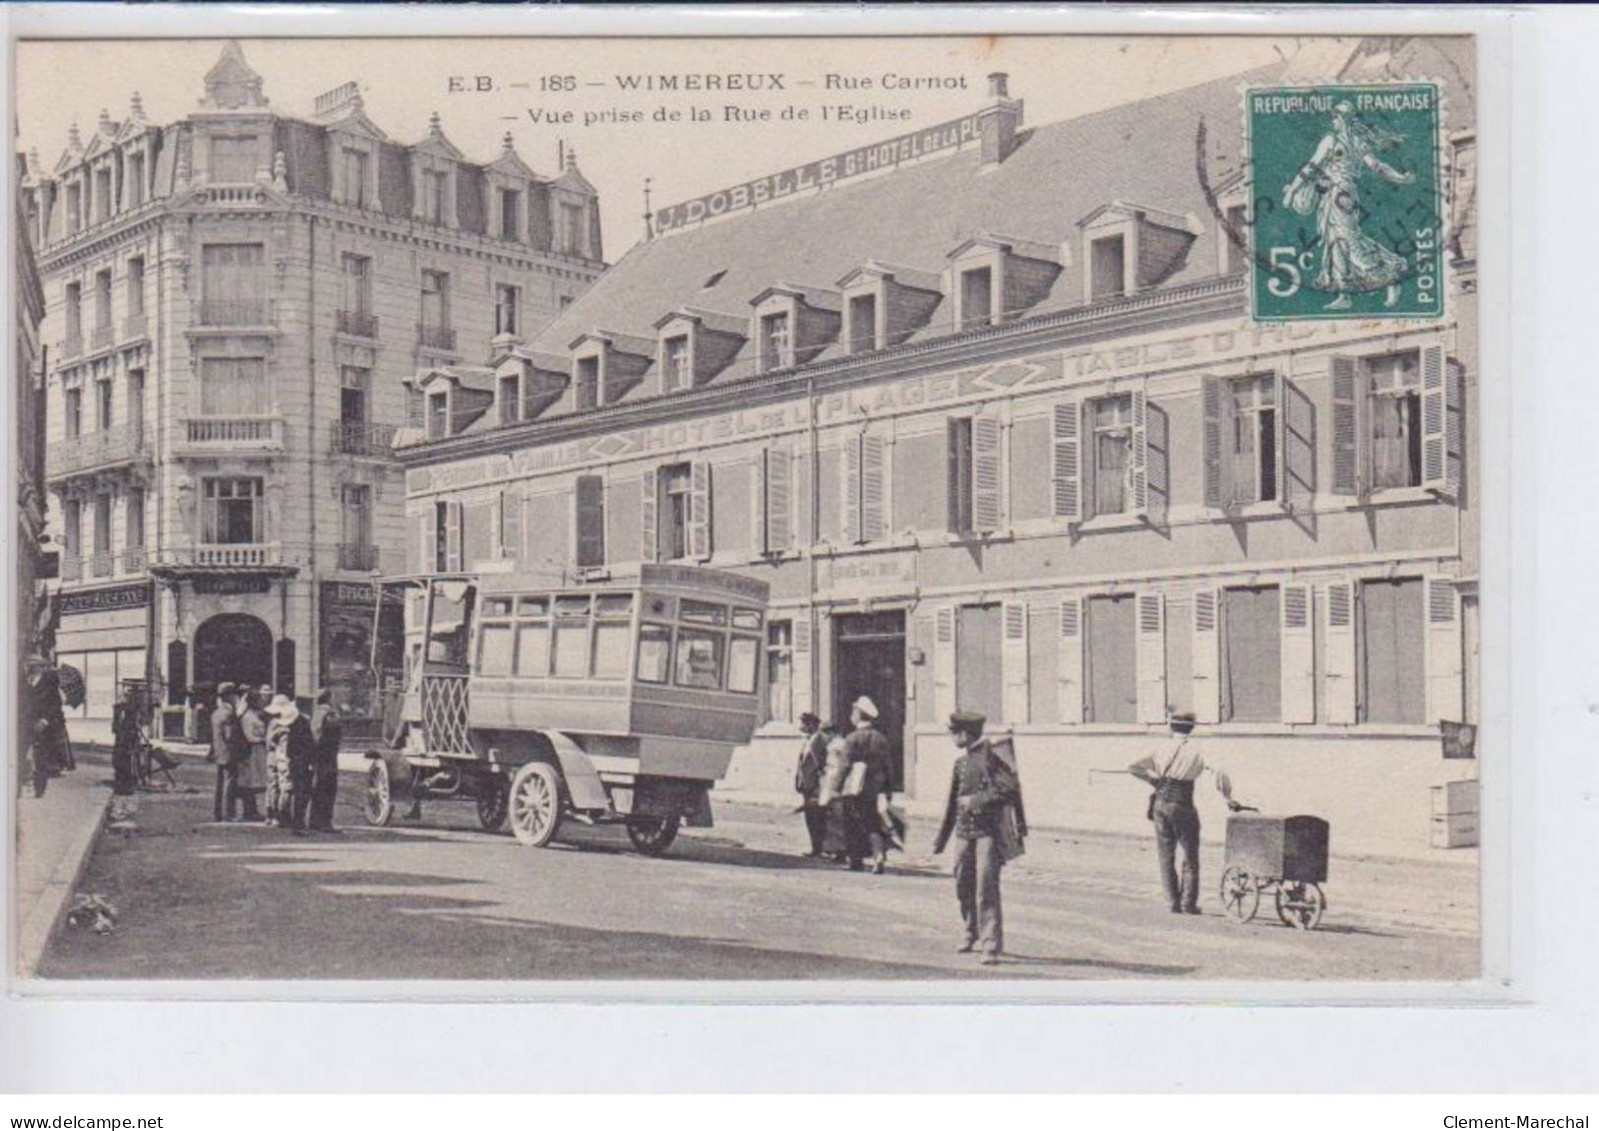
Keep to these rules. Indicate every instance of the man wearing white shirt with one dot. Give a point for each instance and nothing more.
(1172, 772)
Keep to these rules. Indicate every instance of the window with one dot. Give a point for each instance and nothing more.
(1112, 423)
(102, 404)
(102, 300)
(572, 225)
(102, 194)
(775, 342)
(136, 286)
(233, 284)
(589, 501)
(233, 160)
(780, 670)
(1233, 257)
(510, 399)
(674, 364)
(233, 386)
(136, 402)
(586, 383)
(356, 500)
(435, 195)
(1110, 661)
(974, 474)
(355, 178)
(1251, 683)
(1108, 265)
(1393, 660)
(507, 303)
(102, 525)
(357, 280)
(960, 474)
(133, 537)
(533, 643)
(72, 521)
(743, 664)
(353, 383)
(862, 323)
(698, 659)
(72, 419)
(135, 180)
(495, 649)
(74, 310)
(571, 637)
(977, 298)
(438, 416)
(676, 504)
(231, 512)
(1250, 450)
(654, 653)
(435, 299)
(74, 207)
(510, 214)
(613, 628)
(1394, 391)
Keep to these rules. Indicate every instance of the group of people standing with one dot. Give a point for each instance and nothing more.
(262, 743)
(845, 782)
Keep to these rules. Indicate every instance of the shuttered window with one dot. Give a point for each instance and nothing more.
(772, 500)
(1110, 660)
(976, 475)
(1251, 655)
(589, 521)
(864, 485)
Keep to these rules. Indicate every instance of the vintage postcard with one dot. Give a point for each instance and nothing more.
(785, 510)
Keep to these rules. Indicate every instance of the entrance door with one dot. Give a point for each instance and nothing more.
(232, 647)
(869, 659)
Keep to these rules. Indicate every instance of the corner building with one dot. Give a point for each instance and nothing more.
(998, 429)
(237, 305)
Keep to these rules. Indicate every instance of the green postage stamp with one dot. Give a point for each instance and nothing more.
(1347, 204)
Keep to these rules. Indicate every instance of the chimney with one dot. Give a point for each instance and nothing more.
(998, 121)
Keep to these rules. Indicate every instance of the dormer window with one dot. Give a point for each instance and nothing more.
(586, 383)
(102, 194)
(1128, 248)
(74, 206)
(438, 416)
(357, 165)
(1108, 268)
(776, 352)
(510, 214)
(435, 195)
(674, 364)
(862, 312)
(572, 229)
(976, 298)
(509, 395)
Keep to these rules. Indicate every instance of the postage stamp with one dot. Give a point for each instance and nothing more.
(1347, 201)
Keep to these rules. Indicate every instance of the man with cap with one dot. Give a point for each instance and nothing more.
(1173, 771)
(326, 735)
(808, 770)
(866, 747)
(227, 751)
(981, 786)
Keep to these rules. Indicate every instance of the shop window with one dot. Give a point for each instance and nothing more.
(1251, 659)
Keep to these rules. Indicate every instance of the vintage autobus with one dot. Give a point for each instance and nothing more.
(543, 698)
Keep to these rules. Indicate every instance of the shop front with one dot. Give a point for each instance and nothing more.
(346, 662)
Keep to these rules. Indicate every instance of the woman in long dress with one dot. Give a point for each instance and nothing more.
(1329, 185)
(830, 795)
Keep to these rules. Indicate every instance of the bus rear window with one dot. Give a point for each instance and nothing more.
(698, 661)
(702, 612)
(743, 659)
(654, 652)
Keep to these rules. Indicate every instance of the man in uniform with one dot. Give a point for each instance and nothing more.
(982, 787)
(227, 751)
(808, 778)
(1173, 772)
(867, 747)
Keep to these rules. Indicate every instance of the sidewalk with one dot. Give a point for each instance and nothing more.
(55, 835)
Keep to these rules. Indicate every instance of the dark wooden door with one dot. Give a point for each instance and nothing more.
(869, 659)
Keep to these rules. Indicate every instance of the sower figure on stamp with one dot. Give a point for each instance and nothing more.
(808, 771)
(869, 754)
(1173, 772)
(984, 816)
(227, 751)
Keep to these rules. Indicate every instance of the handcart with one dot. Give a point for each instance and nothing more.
(1284, 855)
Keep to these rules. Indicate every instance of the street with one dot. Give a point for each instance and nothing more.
(442, 899)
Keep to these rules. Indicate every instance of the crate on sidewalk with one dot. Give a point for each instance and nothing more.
(1456, 814)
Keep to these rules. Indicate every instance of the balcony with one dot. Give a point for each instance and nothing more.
(358, 556)
(100, 338)
(135, 327)
(214, 435)
(360, 439)
(71, 567)
(441, 338)
(134, 560)
(101, 563)
(357, 323)
(214, 314)
(71, 346)
(234, 555)
(96, 451)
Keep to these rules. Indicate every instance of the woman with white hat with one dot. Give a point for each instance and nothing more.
(291, 742)
(869, 756)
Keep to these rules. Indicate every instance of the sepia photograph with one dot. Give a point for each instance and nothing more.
(879, 510)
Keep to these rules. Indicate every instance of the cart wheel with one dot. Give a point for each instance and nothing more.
(1300, 905)
(535, 804)
(1240, 897)
(379, 801)
(493, 801)
(652, 835)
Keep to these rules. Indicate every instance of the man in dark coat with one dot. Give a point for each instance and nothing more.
(227, 751)
(867, 747)
(808, 778)
(126, 734)
(326, 734)
(981, 789)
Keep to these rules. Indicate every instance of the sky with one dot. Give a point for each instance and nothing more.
(402, 81)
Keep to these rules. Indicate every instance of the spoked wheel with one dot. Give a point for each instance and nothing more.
(379, 801)
(1240, 898)
(1300, 905)
(493, 802)
(535, 804)
(652, 835)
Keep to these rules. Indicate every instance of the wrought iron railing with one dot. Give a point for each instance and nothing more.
(359, 323)
(108, 447)
(71, 567)
(232, 312)
(436, 337)
(353, 438)
(357, 555)
(100, 563)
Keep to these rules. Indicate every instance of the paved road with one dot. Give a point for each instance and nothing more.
(445, 900)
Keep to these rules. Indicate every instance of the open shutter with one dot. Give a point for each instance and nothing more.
(1066, 456)
(649, 508)
(1138, 458)
(1151, 658)
(1211, 440)
(801, 664)
(1298, 446)
(588, 521)
(1445, 663)
(416, 551)
(1157, 460)
(1207, 655)
(1069, 666)
(1348, 416)
(1435, 422)
(944, 662)
(699, 510)
(849, 485)
(1298, 654)
(873, 489)
(430, 540)
(454, 519)
(760, 475)
(986, 479)
(511, 525)
(1340, 685)
(1013, 661)
(779, 525)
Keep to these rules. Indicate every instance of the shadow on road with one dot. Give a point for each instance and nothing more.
(1141, 968)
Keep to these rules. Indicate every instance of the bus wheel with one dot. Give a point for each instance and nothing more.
(493, 799)
(378, 803)
(535, 804)
(652, 835)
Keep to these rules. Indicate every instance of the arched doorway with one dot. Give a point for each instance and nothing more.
(235, 647)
